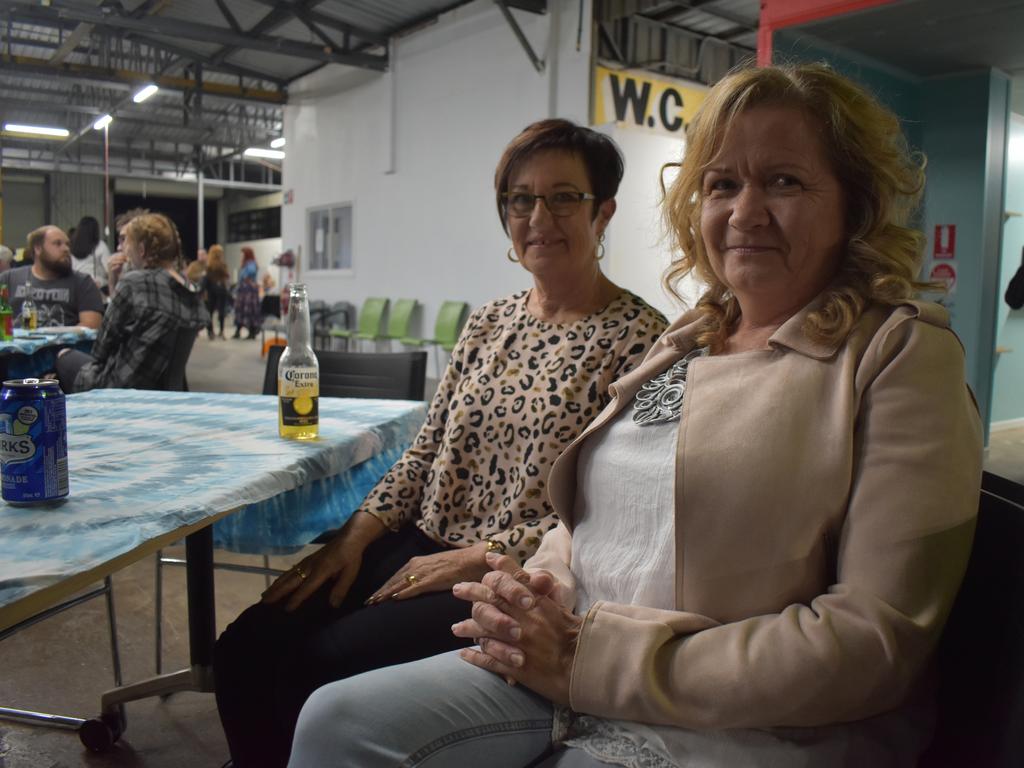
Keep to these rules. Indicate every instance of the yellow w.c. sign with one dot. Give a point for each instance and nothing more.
(633, 98)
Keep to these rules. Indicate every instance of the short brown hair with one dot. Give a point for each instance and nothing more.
(600, 156)
(161, 244)
(881, 179)
(36, 238)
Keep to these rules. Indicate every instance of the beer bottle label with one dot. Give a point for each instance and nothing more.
(299, 392)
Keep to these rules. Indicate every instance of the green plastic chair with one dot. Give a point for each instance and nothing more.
(400, 318)
(371, 323)
(446, 330)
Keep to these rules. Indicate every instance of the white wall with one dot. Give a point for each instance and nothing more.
(424, 222)
(637, 252)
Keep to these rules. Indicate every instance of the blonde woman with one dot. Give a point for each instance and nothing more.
(136, 339)
(762, 535)
(215, 287)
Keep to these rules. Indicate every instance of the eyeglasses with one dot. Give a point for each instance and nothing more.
(562, 203)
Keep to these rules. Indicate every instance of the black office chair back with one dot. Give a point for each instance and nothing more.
(388, 375)
(173, 379)
(981, 655)
(270, 306)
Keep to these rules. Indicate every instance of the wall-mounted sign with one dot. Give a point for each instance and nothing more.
(289, 196)
(651, 102)
(945, 241)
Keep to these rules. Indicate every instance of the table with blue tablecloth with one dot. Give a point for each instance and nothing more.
(149, 468)
(33, 353)
(145, 465)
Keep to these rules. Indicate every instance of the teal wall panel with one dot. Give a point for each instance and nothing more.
(1008, 387)
(965, 117)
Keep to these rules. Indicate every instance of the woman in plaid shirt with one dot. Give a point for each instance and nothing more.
(136, 340)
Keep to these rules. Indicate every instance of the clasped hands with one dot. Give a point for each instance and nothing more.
(523, 632)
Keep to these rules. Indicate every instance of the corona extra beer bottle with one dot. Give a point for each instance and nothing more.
(298, 374)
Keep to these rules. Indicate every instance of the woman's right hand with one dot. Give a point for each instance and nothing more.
(338, 560)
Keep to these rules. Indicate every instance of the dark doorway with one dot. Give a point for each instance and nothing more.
(182, 212)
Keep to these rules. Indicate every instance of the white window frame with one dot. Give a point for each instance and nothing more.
(310, 239)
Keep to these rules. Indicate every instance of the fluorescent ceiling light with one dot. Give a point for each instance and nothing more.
(103, 122)
(145, 93)
(273, 154)
(277, 143)
(37, 130)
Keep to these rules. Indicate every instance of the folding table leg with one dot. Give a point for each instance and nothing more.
(100, 733)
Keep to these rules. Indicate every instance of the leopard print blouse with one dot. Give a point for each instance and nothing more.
(516, 392)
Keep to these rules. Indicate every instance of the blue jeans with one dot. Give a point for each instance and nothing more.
(434, 713)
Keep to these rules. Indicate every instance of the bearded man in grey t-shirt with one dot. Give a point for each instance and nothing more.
(61, 296)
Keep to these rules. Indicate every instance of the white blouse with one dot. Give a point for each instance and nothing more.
(623, 551)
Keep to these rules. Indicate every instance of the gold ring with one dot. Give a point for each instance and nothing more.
(300, 573)
(412, 578)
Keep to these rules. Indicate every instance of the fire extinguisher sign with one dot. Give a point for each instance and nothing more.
(945, 241)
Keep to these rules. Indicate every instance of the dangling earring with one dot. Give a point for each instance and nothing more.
(600, 248)
(510, 257)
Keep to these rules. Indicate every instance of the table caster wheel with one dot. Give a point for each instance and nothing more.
(100, 733)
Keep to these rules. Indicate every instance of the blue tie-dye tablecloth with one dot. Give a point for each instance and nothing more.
(146, 463)
(33, 353)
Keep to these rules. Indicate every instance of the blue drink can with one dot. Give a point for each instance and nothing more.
(33, 441)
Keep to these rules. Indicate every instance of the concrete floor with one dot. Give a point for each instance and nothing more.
(63, 664)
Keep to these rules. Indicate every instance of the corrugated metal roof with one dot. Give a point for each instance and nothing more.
(384, 16)
(247, 14)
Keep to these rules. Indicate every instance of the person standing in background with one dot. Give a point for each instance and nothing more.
(91, 254)
(215, 287)
(247, 296)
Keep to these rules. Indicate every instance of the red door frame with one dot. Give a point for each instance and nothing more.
(777, 14)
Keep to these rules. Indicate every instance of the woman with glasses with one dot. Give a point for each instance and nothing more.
(528, 374)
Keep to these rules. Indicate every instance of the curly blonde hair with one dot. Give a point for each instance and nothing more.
(881, 179)
(159, 239)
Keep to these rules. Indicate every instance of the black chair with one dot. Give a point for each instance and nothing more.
(173, 379)
(270, 306)
(387, 375)
(981, 656)
(341, 314)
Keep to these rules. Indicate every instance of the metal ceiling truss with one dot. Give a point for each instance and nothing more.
(109, 20)
(534, 6)
(115, 52)
(642, 34)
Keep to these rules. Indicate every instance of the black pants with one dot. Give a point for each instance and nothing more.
(216, 303)
(268, 661)
(68, 365)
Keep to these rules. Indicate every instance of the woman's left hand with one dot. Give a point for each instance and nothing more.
(524, 636)
(433, 573)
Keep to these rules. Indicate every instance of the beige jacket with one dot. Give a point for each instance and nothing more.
(825, 506)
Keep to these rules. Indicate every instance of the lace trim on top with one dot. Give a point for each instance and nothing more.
(607, 742)
(661, 398)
